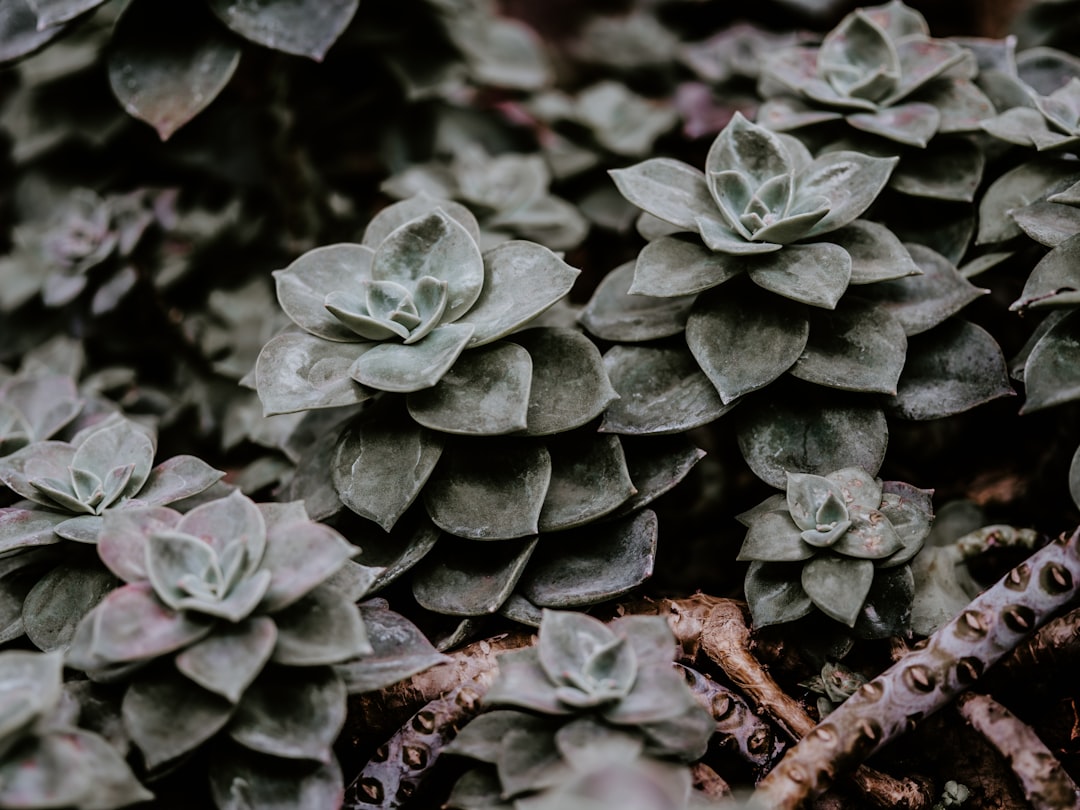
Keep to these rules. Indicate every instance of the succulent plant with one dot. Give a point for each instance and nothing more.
(882, 72)
(604, 695)
(508, 192)
(87, 240)
(838, 543)
(834, 685)
(51, 575)
(45, 760)
(227, 610)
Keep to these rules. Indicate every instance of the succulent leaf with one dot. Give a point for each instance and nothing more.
(774, 594)
(837, 585)
(227, 662)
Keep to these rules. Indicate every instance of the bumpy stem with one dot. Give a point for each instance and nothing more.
(719, 627)
(392, 776)
(737, 727)
(928, 678)
(1045, 783)
(1055, 645)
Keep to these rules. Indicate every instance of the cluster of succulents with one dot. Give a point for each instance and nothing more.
(589, 702)
(838, 543)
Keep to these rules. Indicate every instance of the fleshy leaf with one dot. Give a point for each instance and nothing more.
(951, 170)
(404, 368)
(589, 479)
(857, 347)
(435, 246)
(225, 521)
(850, 181)
(662, 390)
(613, 314)
(1048, 223)
(240, 779)
(807, 493)
(324, 627)
(773, 537)
(291, 26)
(922, 302)
(302, 287)
(291, 712)
(675, 267)
(1050, 374)
(163, 733)
(55, 605)
(394, 216)
(19, 32)
(912, 124)
(803, 435)
(869, 537)
(486, 393)
(744, 342)
(568, 640)
(130, 624)
(27, 528)
(591, 564)
(1027, 183)
(458, 578)
(838, 586)
(116, 445)
(176, 478)
(399, 650)
(774, 594)
(668, 189)
(229, 660)
(167, 61)
(887, 609)
(489, 489)
(123, 542)
(951, 369)
(521, 280)
(300, 555)
(816, 274)
(1054, 281)
(876, 253)
(569, 386)
(297, 372)
(381, 463)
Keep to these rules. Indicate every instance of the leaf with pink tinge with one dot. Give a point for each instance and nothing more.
(231, 658)
(122, 547)
(232, 519)
(176, 478)
(40, 460)
(300, 556)
(26, 528)
(293, 26)
(131, 624)
(167, 61)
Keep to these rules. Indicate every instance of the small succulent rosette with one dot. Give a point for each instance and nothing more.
(244, 614)
(587, 697)
(50, 574)
(499, 434)
(838, 544)
(881, 72)
(508, 192)
(45, 760)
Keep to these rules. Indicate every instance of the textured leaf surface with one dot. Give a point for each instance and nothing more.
(163, 733)
(404, 368)
(398, 650)
(459, 578)
(816, 274)
(1051, 374)
(613, 314)
(797, 435)
(291, 712)
(570, 386)
(1055, 280)
(676, 267)
(857, 347)
(744, 342)
(489, 489)
(838, 586)
(486, 393)
(589, 479)
(298, 372)
(1027, 183)
(292, 26)
(661, 390)
(588, 565)
(774, 594)
(322, 628)
(229, 660)
(380, 465)
(240, 779)
(951, 369)
(167, 61)
(951, 169)
(922, 302)
(55, 605)
(876, 253)
(669, 189)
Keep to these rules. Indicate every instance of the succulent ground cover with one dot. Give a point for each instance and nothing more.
(514, 405)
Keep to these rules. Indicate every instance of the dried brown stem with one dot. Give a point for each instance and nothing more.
(1046, 784)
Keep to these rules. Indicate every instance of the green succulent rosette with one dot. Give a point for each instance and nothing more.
(1042, 88)
(586, 697)
(49, 571)
(773, 277)
(246, 615)
(46, 761)
(838, 544)
(881, 72)
(466, 477)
